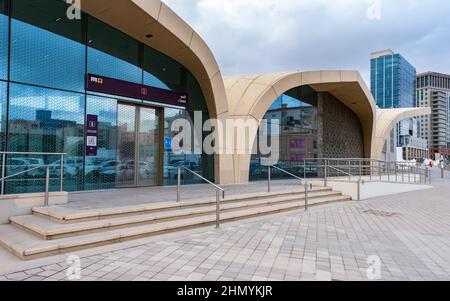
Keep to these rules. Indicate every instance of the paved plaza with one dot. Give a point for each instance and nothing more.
(409, 233)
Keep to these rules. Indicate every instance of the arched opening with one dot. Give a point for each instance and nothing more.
(309, 126)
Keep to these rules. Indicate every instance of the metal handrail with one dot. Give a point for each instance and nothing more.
(287, 172)
(47, 179)
(205, 179)
(4, 177)
(306, 184)
(341, 171)
(33, 153)
(365, 166)
(219, 190)
(22, 172)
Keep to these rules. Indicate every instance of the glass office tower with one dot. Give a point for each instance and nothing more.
(45, 59)
(392, 80)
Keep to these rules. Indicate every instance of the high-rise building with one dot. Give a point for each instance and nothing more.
(392, 80)
(433, 90)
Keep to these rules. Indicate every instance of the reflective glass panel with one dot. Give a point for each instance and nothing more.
(48, 121)
(126, 116)
(161, 71)
(296, 113)
(4, 25)
(148, 147)
(46, 47)
(100, 170)
(112, 53)
(3, 99)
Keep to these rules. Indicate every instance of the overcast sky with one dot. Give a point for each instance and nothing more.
(252, 36)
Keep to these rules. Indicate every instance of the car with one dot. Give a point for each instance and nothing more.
(18, 165)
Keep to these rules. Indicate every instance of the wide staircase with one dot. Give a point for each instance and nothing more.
(54, 230)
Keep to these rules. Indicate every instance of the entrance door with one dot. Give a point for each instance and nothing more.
(138, 146)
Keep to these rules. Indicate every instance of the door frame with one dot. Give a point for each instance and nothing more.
(159, 158)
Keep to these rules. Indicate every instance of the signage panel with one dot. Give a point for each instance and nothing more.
(107, 85)
(91, 135)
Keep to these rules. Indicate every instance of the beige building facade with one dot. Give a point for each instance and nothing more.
(247, 96)
(343, 118)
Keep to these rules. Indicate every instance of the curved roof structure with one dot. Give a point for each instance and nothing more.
(169, 35)
(387, 119)
(156, 25)
(252, 95)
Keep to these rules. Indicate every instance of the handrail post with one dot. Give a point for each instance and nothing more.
(217, 209)
(304, 170)
(359, 190)
(306, 196)
(325, 180)
(396, 172)
(179, 184)
(409, 174)
(388, 171)
(61, 180)
(360, 169)
(379, 169)
(269, 178)
(47, 186)
(403, 173)
(415, 175)
(3, 173)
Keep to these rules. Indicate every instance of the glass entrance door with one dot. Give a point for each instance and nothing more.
(138, 146)
(148, 147)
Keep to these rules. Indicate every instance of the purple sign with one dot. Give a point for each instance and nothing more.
(102, 84)
(91, 135)
(297, 143)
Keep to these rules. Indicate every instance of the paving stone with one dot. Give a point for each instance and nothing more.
(331, 243)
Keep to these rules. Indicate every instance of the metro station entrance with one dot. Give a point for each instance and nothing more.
(138, 146)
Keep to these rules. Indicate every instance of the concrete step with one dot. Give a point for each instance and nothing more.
(63, 214)
(29, 246)
(48, 229)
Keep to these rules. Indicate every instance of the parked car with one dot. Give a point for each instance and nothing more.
(17, 165)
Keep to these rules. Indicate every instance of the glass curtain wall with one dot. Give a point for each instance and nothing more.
(45, 59)
(4, 39)
(296, 113)
(46, 51)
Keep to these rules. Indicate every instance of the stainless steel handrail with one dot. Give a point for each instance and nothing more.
(341, 171)
(4, 155)
(47, 179)
(287, 172)
(219, 190)
(364, 166)
(306, 184)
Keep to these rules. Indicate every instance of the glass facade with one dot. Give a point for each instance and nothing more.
(3, 111)
(4, 37)
(296, 113)
(44, 105)
(112, 53)
(392, 82)
(48, 121)
(45, 51)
